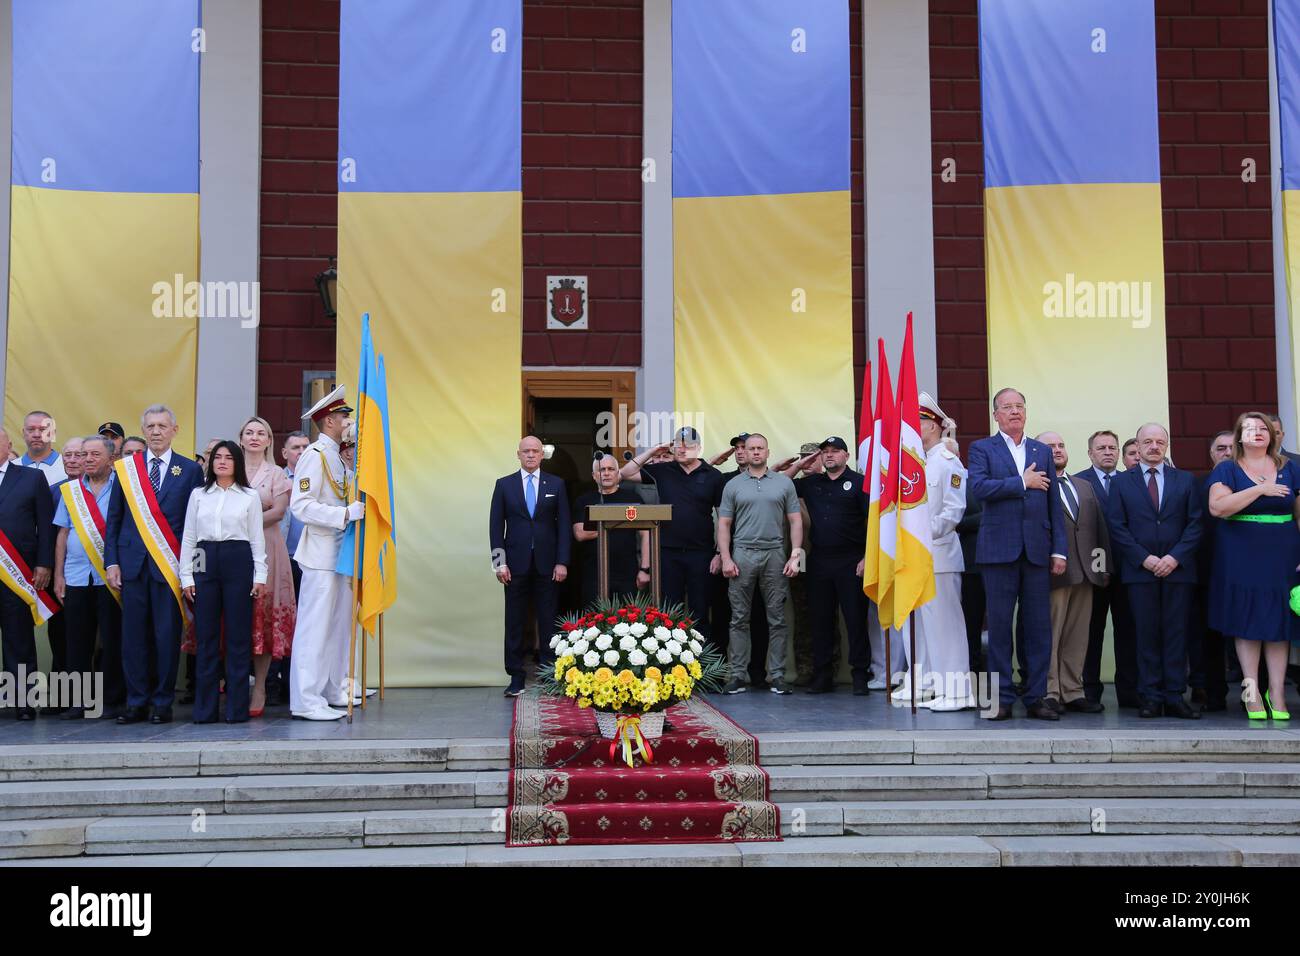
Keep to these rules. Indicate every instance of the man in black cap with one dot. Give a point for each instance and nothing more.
(687, 543)
(837, 509)
(114, 432)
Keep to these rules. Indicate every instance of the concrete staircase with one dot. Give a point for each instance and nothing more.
(880, 798)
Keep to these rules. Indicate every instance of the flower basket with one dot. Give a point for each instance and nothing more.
(652, 724)
(630, 659)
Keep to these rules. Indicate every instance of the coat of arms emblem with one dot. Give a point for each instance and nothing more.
(566, 302)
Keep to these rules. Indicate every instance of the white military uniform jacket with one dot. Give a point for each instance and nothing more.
(946, 480)
(319, 502)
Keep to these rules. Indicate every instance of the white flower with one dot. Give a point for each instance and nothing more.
(664, 657)
(679, 635)
(637, 658)
(637, 629)
(612, 658)
(555, 639)
(663, 633)
(627, 643)
(696, 634)
(580, 647)
(673, 648)
(604, 642)
(650, 644)
(696, 647)
(591, 632)
(622, 628)
(687, 657)
(591, 659)
(562, 649)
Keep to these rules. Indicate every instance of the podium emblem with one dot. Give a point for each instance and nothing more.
(630, 513)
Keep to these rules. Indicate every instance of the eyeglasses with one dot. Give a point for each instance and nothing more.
(1011, 408)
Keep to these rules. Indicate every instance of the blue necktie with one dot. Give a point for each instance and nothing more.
(155, 476)
(530, 496)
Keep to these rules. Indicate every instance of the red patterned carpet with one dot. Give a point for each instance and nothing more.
(704, 786)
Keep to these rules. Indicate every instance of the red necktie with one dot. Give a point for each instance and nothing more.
(1152, 489)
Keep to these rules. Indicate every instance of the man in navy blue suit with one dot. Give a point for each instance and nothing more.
(529, 535)
(151, 616)
(1021, 540)
(1103, 453)
(1155, 525)
(27, 520)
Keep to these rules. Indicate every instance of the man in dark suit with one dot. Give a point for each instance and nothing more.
(27, 520)
(1155, 524)
(1086, 567)
(1103, 454)
(1021, 542)
(151, 616)
(1207, 662)
(529, 536)
(972, 584)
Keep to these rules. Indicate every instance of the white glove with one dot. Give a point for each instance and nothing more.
(356, 511)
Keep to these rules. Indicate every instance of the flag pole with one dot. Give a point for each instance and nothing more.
(365, 644)
(381, 655)
(352, 619)
(889, 666)
(911, 663)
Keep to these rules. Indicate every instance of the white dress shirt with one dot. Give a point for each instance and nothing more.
(537, 482)
(1017, 453)
(223, 514)
(165, 458)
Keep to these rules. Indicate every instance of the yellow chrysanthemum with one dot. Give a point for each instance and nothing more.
(679, 672)
(571, 675)
(696, 671)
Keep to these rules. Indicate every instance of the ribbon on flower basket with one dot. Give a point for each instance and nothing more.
(628, 733)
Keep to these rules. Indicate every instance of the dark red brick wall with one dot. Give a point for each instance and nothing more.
(1212, 73)
(582, 175)
(300, 89)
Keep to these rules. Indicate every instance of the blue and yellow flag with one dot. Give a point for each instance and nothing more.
(377, 575)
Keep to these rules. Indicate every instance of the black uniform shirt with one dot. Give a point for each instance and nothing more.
(693, 496)
(837, 510)
(624, 546)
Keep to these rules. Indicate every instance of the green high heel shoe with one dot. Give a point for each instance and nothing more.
(1276, 714)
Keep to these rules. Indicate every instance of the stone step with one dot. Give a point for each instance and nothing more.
(947, 851)
(71, 761)
(207, 833)
(794, 785)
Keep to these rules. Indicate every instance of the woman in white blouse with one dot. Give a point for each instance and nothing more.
(223, 569)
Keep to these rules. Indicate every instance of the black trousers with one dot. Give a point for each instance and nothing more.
(972, 608)
(1161, 611)
(56, 630)
(687, 581)
(833, 584)
(93, 614)
(223, 590)
(1205, 657)
(537, 585)
(17, 636)
(1112, 599)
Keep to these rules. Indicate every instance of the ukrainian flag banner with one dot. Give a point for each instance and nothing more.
(104, 211)
(762, 246)
(1072, 219)
(1286, 46)
(430, 244)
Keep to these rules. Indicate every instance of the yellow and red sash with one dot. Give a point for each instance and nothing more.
(88, 521)
(159, 539)
(17, 577)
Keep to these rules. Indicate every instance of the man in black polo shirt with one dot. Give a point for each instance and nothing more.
(837, 510)
(694, 488)
(629, 551)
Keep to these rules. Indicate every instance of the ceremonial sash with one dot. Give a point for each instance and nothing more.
(17, 577)
(89, 524)
(159, 539)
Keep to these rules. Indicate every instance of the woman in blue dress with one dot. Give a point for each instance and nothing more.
(1256, 552)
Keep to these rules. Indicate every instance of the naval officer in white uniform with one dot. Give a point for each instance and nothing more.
(322, 494)
(942, 655)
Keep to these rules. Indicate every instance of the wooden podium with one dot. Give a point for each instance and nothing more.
(628, 517)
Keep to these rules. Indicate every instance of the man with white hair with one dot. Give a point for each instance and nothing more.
(146, 517)
(529, 534)
(1155, 523)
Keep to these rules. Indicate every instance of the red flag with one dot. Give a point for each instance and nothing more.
(866, 422)
(877, 568)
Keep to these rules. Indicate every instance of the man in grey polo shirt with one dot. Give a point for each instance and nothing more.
(751, 541)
